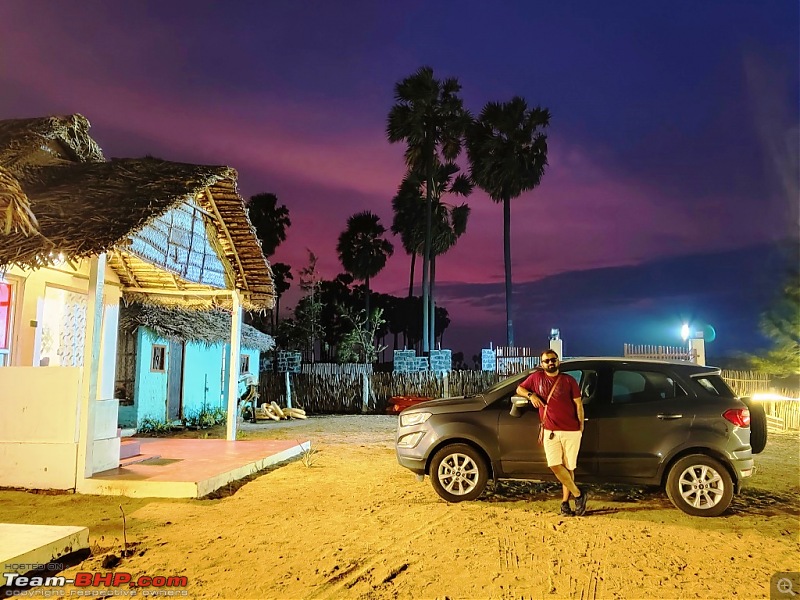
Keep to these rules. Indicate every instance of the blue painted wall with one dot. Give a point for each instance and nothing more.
(202, 379)
(150, 396)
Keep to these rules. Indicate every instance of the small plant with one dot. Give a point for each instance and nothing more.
(153, 426)
(205, 418)
(218, 416)
(308, 454)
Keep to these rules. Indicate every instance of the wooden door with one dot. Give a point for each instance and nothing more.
(175, 381)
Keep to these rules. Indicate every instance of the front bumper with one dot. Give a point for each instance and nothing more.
(414, 458)
(412, 463)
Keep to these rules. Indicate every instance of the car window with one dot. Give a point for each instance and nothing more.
(587, 382)
(643, 386)
(715, 385)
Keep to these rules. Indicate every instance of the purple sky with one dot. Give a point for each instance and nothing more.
(673, 140)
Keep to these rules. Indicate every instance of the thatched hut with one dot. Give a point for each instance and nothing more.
(196, 341)
(78, 235)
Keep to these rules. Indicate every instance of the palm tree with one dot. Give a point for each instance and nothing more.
(408, 206)
(508, 153)
(361, 249)
(270, 220)
(450, 223)
(430, 117)
(281, 274)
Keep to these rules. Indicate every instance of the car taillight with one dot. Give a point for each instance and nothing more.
(738, 416)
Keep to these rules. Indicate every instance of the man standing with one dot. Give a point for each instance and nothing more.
(558, 398)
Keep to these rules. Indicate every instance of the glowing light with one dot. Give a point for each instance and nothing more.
(762, 396)
(685, 332)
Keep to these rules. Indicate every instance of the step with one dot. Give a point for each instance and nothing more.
(129, 447)
(26, 546)
(137, 459)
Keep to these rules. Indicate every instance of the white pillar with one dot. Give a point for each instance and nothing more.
(697, 349)
(91, 364)
(288, 389)
(233, 364)
(557, 346)
(364, 392)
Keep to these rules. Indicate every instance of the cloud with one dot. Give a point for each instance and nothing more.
(598, 310)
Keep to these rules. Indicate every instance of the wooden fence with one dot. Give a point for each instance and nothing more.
(336, 368)
(659, 352)
(515, 359)
(343, 393)
(746, 383)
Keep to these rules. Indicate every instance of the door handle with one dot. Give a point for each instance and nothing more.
(666, 417)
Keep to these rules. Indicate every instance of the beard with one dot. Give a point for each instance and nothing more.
(551, 368)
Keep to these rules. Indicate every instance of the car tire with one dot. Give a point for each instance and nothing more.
(700, 486)
(758, 425)
(458, 472)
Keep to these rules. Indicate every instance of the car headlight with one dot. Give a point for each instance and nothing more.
(414, 419)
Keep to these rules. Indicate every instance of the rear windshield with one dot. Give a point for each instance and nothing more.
(714, 385)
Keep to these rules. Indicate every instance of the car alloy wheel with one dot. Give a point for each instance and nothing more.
(700, 486)
(458, 472)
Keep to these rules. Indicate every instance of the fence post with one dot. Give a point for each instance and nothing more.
(288, 391)
(364, 392)
(445, 385)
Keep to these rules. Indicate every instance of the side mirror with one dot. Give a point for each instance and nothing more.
(518, 403)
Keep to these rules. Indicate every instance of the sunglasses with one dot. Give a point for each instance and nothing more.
(549, 360)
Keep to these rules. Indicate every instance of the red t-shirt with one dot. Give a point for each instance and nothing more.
(562, 414)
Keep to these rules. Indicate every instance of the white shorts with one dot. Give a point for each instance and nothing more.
(563, 448)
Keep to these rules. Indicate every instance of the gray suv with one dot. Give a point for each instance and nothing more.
(672, 424)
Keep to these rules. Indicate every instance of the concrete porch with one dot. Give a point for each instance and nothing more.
(31, 548)
(189, 468)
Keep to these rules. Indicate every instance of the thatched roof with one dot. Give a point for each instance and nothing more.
(67, 201)
(27, 143)
(208, 327)
(46, 141)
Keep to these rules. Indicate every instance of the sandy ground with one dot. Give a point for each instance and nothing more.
(356, 525)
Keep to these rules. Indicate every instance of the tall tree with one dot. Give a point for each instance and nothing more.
(362, 249)
(507, 152)
(307, 313)
(409, 204)
(408, 207)
(449, 224)
(781, 323)
(335, 294)
(270, 220)
(430, 117)
(281, 274)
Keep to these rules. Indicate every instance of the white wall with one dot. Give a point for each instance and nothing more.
(39, 426)
(40, 405)
(108, 350)
(27, 316)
